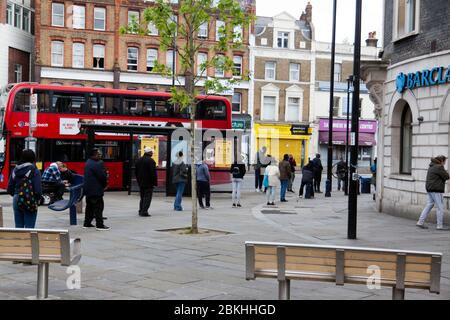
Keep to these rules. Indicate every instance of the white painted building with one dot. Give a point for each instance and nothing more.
(17, 41)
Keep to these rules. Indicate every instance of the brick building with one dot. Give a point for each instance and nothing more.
(282, 84)
(16, 30)
(411, 91)
(290, 87)
(78, 43)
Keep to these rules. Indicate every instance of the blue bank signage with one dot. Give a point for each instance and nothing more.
(425, 78)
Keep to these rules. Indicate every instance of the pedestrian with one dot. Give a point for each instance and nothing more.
(147, 179)
(237, 171)
(273, 180)
(373, 170)
(203, 185)
(180, 177)
(95, 182)
(24, 186)
(285, 176)
(435, 186)
(293, 164)
(341, 170)
(318, 168)
(52, 181)
(307, 179)
(259, 167)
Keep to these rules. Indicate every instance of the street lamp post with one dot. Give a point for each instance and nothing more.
(353, 192)
(330, 116)
(349, 82)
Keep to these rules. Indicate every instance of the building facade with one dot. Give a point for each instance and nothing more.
(411, 91)
(282, 84)
(79, 43)
(342, 101)
(291, 85)
(16, 51)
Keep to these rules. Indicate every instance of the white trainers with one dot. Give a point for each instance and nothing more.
(442, 228)
(422, 226)
(257, 190)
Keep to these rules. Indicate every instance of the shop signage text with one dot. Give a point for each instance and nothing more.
(424, 78)
(300, 129)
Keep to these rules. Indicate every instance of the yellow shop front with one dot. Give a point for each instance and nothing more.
(281, 139)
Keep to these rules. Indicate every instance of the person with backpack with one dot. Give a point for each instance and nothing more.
(237, 171)
(180, 178)
(203, 185)
(147, 179)
(25, 187)
(95, 182)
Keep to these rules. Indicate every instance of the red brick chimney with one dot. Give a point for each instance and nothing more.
(307, 14)
(372, 41)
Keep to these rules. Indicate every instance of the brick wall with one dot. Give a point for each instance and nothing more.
(434, 27)
(18, 57)
(2, 11)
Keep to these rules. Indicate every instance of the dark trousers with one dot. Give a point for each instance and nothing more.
(94, 209)
(57, 188)
(259, 178)
(203, 191)
(146, 200)
(317, 180)
(302, 186)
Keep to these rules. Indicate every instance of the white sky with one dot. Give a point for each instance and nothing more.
(322, 16)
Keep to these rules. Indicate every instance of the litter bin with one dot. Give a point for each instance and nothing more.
(365, 185)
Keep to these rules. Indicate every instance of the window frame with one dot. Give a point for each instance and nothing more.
(298, 107)
(219, 24)
(18, 72)
(396, 36)
(73, 55)
(78, 18)
(266, 69)
(16, 6)
(233, 102)
(204, 27)
(153, 61)
(52, 52)
(96, 10)
(237, 76)
(275, 111)
(10, 13)
(63, 14)
(291, 71)
(285, 35)
(128, 60)
(170, 54)
(222, 73)
(198, 64)
(337, 66)
(94, 56)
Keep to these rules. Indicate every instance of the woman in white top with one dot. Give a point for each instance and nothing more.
(273, 174)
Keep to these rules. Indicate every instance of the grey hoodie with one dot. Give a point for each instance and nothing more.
(436, 177)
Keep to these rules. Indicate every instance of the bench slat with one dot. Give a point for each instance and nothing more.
(27, 243)
(295, 267)
(22, 250)
(388, 265)
(298, 259)
(318, 253)
(389, 274)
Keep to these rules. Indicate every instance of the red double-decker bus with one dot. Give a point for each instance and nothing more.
(61, 111)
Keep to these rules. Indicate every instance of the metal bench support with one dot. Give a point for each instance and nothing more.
(42, 284)
(284, 289)
(398, 294)
(73, 215)
(1, 216)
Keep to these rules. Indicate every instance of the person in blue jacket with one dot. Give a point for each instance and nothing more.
(25, 168)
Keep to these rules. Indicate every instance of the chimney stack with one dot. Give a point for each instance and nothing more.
(372, 41)
(307, 14)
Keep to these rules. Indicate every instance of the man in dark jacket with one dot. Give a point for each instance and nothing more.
(147, 179)
(318, 168)
(341, 170)
(435, 186)
(95, 181)
(307, 179)
(285, 175)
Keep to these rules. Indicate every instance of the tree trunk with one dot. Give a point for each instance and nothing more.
(193, 177)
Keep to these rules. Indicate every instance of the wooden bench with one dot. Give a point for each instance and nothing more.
(39, 247)
(399, 269)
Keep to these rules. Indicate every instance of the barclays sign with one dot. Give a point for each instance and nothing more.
(425, 78)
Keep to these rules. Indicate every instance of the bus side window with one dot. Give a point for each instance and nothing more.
(22, 101)
(148, 107)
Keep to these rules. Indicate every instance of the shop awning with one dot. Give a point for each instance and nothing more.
(364, 139)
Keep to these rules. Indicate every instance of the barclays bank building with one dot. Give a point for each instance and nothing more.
(410, 87)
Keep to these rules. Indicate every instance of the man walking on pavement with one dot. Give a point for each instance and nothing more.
(318, 168)
(341, 170)
(435, 186)
(95, 182)
(147, 179)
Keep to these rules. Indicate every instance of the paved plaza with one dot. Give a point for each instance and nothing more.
(134, 260)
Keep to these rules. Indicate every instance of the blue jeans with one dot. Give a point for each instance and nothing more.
(179, 196)
(22, 218)
(284, 185)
